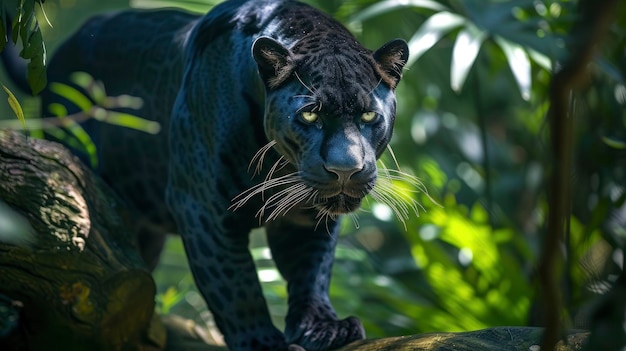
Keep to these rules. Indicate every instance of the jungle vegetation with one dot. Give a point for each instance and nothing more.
(475, 125)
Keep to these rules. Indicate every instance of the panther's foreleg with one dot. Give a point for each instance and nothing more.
(304, 255)
(225, 275)
(216, 240)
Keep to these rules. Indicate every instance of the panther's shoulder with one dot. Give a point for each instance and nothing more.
(246, 15)
(286, 20)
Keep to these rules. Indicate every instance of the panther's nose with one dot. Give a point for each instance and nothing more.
(343, 173)
(344, 156)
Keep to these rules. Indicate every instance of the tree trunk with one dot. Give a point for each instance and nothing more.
(70, 275)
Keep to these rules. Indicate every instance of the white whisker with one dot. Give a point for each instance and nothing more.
(323, 218)
(375, 86)
(277, 166)
(245, 196)
(310, 89)
(386, 195)
(305, 106)
(303, 96)
(355, 219)
(386, 192)
(393, 156)
(259, 157)
(284, 200)
(324, 214)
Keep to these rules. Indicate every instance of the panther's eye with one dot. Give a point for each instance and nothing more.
(368, 116)
(310, 117)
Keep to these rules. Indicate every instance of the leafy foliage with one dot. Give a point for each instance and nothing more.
(25, 28)
(507, 24)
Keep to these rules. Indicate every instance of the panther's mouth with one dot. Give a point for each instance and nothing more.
(338, 199)
(338, 204)
(287, 188)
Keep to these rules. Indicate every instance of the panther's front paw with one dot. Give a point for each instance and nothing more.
(327, 334)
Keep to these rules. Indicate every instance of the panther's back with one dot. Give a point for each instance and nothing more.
(147, 63)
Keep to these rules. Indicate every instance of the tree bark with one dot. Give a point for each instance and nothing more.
(182, 338)
(70, 275)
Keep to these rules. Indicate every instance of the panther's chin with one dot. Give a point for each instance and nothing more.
(339, 204)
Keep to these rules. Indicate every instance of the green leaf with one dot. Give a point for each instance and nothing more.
(435, 27)
(57, 109)
(36, 74)
(94, 88)
(464, 53)
(390, 5)
(33, 46)
(32, 41)
(15, 27)
(82, 79)
(199, 6)
(79, 99)
(15, 105)
(43, 12)
(26, 20)
(127, 120)
(170, 298)
(78, 132)
(542, 60)
(520, 65)
(614, 142)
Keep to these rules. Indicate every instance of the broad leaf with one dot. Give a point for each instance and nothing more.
(520, 65)
(435, 27)
(464, 53)
(542, 60)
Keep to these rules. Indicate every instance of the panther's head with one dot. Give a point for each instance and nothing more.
(330, 109)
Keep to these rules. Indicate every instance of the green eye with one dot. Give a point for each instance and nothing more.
(310, 117)
(368, 116)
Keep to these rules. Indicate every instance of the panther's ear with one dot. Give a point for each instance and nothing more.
(391, 58)
(276, 62)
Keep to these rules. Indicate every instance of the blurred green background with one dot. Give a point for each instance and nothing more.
(472, 126)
